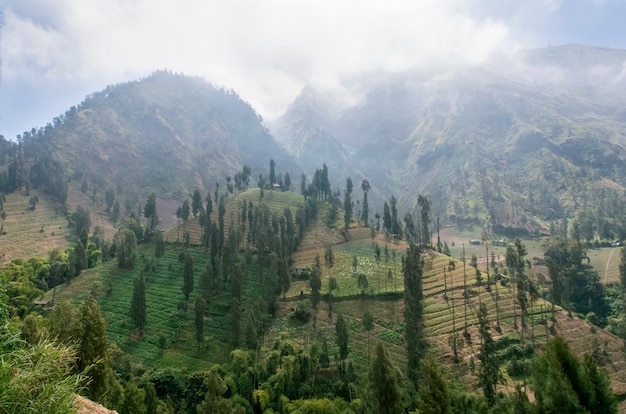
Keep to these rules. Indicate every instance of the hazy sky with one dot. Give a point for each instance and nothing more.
(55, 52)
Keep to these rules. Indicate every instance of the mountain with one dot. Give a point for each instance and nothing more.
(529, 140)
(166, 134)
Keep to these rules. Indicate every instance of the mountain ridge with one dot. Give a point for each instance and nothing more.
(475, 140)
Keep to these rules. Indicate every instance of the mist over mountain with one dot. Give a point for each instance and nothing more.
(534, 138)
(166, 134)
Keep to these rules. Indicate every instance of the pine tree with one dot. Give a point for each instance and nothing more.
(159, 245)
(412, 266)
(365, 186)
(235, 316)
(196, 203)
(92, 349)
(489, 372)
(329, 259)
(433, 394)
(324, 355)
(187, 276)
(151, 400)
(347, 204)
(199, 319)
(315, 283)
(150, 213)
(138, 304)
(384, 384)
(125, 242)
(134, 399)
(341, 330)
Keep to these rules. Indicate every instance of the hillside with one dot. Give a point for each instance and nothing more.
(168, 340)
(28, 232)
(530, 140)
(167, 133)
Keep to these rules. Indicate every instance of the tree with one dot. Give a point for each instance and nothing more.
(424, 206)
(93, 349)
(511, 260)
(82, 220)
(199, 319)
(272, 172)
(368, 325)
(150, 213)
(134, 399)
(412, 267)
(125, 247)
(235, 316)
(77, 259)
(489, 372)
(33, 329)
(287, 182)
(383, 384)
(206, 221)
(185, 210)
(386, 218)
(159, 245)
(283, 276)
(196, 203)
(65, 323)
(341, 330)
(315, 283)
(303, 185)
(575, 285)
(347, 204)
(33, 200)
(396, 227)
(433, 396)
(361, 282)
(138, 304)
(563, 384)
(329, 259)
(365, 186)
(151, 400)
(187, 276)
(215, 401)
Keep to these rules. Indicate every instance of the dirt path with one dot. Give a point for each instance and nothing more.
(606, 267)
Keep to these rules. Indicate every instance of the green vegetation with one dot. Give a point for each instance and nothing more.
(257, 264)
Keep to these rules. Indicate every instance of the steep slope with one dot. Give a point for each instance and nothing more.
(167, 133)
(529, 140)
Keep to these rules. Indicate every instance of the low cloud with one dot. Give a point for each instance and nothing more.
(267, 51)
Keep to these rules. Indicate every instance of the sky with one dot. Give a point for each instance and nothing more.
(56, 52)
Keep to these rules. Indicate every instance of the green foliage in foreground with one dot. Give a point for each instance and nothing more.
(36, 378)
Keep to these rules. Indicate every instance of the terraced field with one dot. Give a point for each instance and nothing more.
(452, 299)
(31, 233)
(169, 337)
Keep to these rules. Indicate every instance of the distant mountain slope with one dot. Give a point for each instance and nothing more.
(530, 141)
(167, 134)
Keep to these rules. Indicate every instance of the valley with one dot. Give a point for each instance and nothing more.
(183, 255)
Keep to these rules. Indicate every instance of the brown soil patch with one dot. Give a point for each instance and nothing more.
(86, 406)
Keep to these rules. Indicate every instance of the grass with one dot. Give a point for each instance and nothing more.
(169, 337)
(32, 233)
(606, 262)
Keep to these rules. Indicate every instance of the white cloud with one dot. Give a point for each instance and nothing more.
(266, 50)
